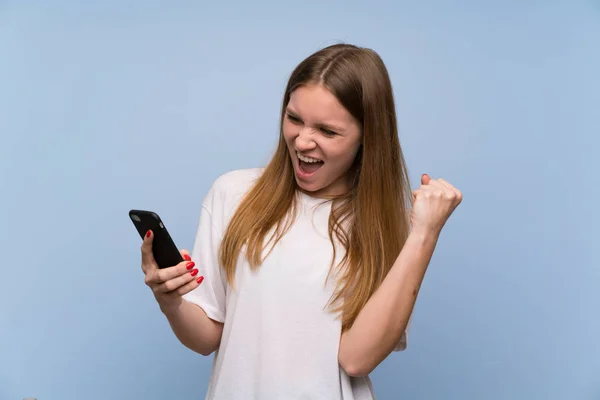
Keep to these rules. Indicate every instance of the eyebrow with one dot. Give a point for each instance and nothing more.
(333, 128)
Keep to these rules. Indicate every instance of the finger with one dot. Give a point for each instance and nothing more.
(148, 261)
(422, 190)
(425, 179)
(453, 192)
(427, 188)
(178, 282)
(185, 254)
(431, 190)
(166, 274)
(434, 183)
(446, 183)
(185, 289)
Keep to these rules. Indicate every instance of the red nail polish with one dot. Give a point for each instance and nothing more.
(148, 233)
(199, 280)
(190, 265)
(194, 272)
(187, 257)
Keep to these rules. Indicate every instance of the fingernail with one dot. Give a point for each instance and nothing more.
(187, 257)
(148, 233)
(199, 280)
(194, 272)
(190, 265)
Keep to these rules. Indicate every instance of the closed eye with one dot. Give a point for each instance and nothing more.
(293, 119)
(328, 132)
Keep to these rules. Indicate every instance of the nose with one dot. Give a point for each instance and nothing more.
(305, 140)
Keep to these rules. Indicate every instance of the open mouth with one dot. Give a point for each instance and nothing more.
(308, 165)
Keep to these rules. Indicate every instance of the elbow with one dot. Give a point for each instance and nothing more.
(202, 350)
(206, 353)
(208, 350)
(353, 367)
(356, 370)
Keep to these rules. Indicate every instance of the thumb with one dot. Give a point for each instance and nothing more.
(147, 254)
(425, 179)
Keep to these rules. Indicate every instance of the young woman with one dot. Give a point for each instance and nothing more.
(304, 273)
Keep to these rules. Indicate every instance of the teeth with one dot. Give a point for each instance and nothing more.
(307, 159)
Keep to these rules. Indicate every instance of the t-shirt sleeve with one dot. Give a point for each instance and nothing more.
(211, 294)
(402, 343)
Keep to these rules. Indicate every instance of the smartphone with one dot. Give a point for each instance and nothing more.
(165, 252)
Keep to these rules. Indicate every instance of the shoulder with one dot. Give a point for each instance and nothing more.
(236, 182)
(227, 191)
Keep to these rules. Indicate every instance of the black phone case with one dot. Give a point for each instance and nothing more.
(165, 251)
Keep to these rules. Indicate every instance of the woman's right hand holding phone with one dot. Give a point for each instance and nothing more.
(168, 284)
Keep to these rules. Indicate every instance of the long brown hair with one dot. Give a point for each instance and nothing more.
(370, 221)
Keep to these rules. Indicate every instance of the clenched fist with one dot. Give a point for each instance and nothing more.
(433, 203)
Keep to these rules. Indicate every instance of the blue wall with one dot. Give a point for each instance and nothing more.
(117, 105)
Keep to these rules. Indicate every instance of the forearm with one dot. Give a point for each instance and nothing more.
(194, 328)
(384, 318)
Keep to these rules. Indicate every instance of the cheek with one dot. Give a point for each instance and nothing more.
(344, 156)
(288, 134)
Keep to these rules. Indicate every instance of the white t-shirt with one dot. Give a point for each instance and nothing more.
(279, 339)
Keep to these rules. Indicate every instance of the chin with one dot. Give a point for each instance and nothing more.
(308, 187)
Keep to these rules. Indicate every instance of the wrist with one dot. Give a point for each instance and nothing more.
(170, 309)
(424, 234)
